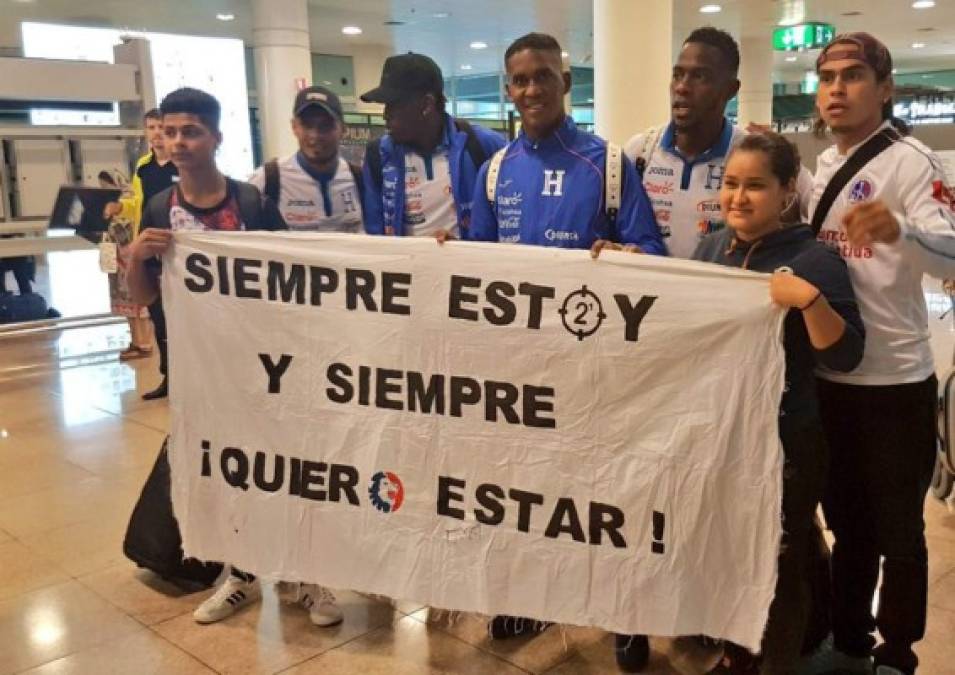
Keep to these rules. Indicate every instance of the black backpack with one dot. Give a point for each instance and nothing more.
(152, 536)
(273, 180)
(473, 146)
(24, 307)
(248, 197)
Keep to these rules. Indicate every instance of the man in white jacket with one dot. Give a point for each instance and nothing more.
(892, 222)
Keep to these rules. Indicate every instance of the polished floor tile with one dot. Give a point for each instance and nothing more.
(533, 654)
(22, 570)
(42, 473)
(943, 594)
(48, 437)
(939, 520)
(119, 452)
(271, 636)
(941, 557)
(155, 417)
(666, 658)
(410, 647)
(56, 621)
(86, 547)
(55, 507)
(141, 593)
(142, 653)
(24, 405)
(115, 387)
(937, 651)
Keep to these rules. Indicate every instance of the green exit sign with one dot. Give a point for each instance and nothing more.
(804, 36)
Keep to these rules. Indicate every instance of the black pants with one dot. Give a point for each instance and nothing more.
(158, 316)
(882, 443)
(804, 477)
(24, 272)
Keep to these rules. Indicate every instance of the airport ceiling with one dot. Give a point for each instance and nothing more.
(446, 29)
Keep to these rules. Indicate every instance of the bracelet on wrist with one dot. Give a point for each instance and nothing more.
(811, 302)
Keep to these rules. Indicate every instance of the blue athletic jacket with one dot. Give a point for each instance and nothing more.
(384, 205)
(551, 193)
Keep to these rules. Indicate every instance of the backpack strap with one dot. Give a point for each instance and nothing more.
(158, 208)
(249, 200)
(272, 185)
(869, 150)
(473, 145)
(493, 169)
(613, 181)
(359, 180)
(651, 139)
(373, 162)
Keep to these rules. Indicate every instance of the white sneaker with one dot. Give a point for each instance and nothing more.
(229, 598)
(320, 603)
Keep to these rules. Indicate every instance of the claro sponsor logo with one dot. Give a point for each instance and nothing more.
(510, 200)
(557, 235)
(658, 188)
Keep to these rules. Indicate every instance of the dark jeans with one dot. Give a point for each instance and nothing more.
(882, 442)
(158, 316)
(804, 476)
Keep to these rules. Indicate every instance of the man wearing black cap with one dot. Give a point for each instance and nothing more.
(315, 189)
(419, 177)
(880, 198)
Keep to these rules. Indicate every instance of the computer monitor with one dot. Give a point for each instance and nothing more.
(81, 208)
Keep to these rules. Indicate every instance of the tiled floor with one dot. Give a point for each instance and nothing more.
(76, 443)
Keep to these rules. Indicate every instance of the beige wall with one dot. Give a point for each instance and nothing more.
(367, 62)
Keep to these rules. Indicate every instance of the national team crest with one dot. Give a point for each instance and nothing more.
(386, 492)
(861, 191)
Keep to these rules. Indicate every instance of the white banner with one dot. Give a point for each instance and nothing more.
(491, 428)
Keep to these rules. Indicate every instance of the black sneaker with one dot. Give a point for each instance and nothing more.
(633, 652)
(162, 391)
(503, 626)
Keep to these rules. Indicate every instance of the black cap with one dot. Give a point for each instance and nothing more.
(406, 74)
(321, 97)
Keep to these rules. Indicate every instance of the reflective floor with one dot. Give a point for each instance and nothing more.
(76, 444)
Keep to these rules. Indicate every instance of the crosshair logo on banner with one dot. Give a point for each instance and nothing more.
(386, 492)
(582, 313)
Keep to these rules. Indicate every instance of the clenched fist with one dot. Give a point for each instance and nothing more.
(788, 290)
(150, 243)
(871, 222)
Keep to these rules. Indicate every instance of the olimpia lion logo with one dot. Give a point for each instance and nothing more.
(386, 492)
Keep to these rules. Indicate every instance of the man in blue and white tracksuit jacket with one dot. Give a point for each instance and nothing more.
(551, 192)
(419, 177)
(553, 186)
